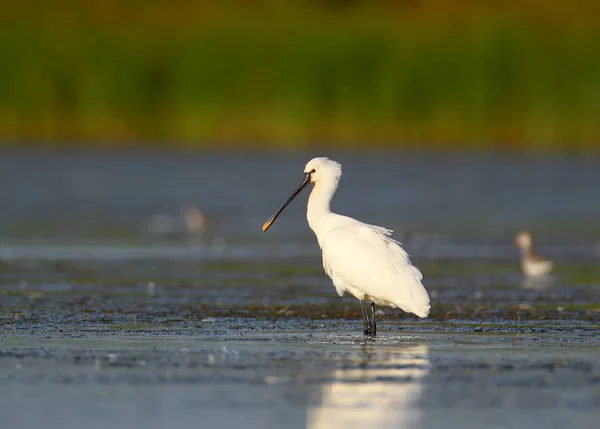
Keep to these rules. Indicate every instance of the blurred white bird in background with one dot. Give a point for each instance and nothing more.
(200, 228)
(359, 258)
(197, 227)
(531, 263)
(195, 221)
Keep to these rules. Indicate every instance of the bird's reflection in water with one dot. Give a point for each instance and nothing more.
(379, 389)
(537, 282)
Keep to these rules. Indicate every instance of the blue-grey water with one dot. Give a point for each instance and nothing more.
(115, 314)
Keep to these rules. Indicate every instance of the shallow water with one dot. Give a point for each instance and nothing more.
(223, 374)
(114, 315)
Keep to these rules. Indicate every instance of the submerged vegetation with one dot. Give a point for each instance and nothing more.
(523, 75)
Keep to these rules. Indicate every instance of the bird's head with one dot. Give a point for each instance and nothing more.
(523, 240)
(322, 169)
(317, 170)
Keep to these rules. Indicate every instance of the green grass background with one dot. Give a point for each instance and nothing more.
(289, 74)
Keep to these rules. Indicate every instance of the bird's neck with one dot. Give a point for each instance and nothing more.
(526, 252)
(318, 211)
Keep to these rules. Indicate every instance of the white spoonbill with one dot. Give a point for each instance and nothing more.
(359, 258)
(531, 263)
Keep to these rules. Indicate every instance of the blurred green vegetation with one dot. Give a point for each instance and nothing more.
(522, 75)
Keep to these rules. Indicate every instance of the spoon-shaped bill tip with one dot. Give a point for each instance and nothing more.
(267, 224)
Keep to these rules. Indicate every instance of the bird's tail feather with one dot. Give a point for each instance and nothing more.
(422, 311)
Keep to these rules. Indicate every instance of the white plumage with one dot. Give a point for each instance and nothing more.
(360, 259)
(371, 266)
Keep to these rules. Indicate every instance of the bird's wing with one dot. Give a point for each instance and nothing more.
(367, 260)
(534, 257)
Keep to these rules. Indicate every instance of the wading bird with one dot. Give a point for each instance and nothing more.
(531, 263)
(359, 258)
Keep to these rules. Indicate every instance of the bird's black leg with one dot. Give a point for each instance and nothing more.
(373, 325)
(365, 313)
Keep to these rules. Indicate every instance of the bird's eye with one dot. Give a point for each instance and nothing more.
(312, 171)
